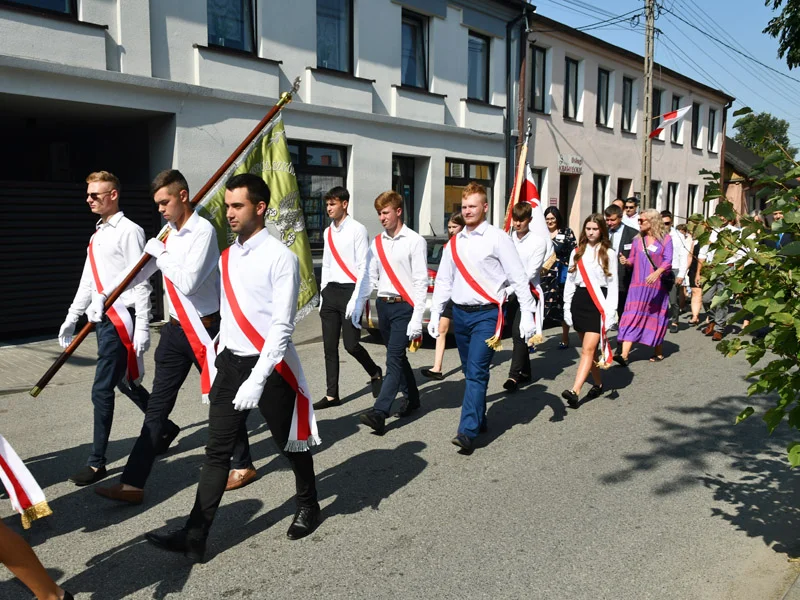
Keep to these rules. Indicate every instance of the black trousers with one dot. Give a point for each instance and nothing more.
(224, 423)
(174, 359)
(399, 377)
(520, 357)
(335, 297)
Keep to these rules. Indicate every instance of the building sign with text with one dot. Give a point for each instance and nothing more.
(570, 163)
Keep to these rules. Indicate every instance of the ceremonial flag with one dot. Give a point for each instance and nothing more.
(268, 157)
(669, 118)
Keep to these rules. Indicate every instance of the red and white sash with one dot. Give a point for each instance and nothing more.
(199, 339)
(596, 294)
(121, 319)
(26, 496)
(401, 287)
(538, 313)
(303, 433)
(338, 257)
(466, 270)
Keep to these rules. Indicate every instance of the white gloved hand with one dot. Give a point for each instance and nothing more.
(355, 318)
(67, 330)
(526, 325)
(433, 325)
(414, 330)
(612, 319)
(141, 340)
(509, 291)
(249, 393)
(351, 307)
(568, 317)
(319, 306)
(96, 309)
(154, 247)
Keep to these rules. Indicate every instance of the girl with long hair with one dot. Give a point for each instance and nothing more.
(591, 281)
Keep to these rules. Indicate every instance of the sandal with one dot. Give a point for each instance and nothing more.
(656, 358)
(620, 360)
(562, 345)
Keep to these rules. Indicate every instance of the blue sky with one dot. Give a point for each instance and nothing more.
(739, 23)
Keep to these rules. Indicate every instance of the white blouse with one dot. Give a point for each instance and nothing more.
(595, 270)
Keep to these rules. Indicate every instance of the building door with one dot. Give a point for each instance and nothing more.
(403, 184)
(567, 191)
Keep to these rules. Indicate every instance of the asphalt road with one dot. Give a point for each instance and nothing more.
(647, 492)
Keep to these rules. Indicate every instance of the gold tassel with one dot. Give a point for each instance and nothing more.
(548, 264)
(415, 344)
(536, 339)
(370, 324)
(37, 511)
(495, 343)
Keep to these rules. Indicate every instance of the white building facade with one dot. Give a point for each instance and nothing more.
(585, 100)
(395, 94)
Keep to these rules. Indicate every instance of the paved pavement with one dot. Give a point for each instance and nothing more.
(647, 492)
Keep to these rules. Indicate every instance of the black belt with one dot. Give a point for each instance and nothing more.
(207, 321)
(474, 307)
(391, 299)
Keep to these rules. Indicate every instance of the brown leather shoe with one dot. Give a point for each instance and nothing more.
(717, 337)
(238, 480)
(116, 492)
(709, 329)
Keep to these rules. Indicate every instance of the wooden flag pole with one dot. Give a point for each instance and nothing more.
(523, 157)
(285, 99)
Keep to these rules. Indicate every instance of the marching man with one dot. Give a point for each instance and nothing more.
(258, 367)
(344, 260)
(477, 265)
(123, 334)
(397, 266)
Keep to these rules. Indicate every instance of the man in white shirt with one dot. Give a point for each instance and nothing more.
(116, 243)
(680, 260)
(631, 216)
(397, 266)
(344, 259)
(719, 314)
(487, 264)
(257, 365)
(532, 250)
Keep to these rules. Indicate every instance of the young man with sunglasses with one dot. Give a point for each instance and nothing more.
(680, 259)
(123, 335)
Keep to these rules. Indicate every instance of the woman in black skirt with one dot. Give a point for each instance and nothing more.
(553, 281)
(600, 262)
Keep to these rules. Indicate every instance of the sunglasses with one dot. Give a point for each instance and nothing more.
(643, 221)
(97, 195)
(667, 222)
(630, 207)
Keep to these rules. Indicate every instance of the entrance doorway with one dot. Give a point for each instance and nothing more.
(403, 184)
(567, 196)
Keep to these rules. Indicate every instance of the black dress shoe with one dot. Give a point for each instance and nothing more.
(595, 392)
(68, 596)
(373, 419)
(171, 431)
(464, 442)
(622, 362)
(510, 385)
(179, 540)
(411, 408)
(377, 383)
(305, 521)
(484, 426)
(430, 374)
(571, 397)
(673, 328)
(87, 475)
(327, 403)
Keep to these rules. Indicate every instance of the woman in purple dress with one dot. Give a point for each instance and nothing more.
(645, 319)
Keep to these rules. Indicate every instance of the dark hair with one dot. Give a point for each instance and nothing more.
(552, 210)
(682, 227)
(521, 211)
(613, 211)
(257, 188)
(171, 178)
(338, 192)
(666, 213)
(457, 218)
(604, 242)
(633, 200)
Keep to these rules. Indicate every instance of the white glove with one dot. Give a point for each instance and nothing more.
(568, 317)
(351, 307)
(96, 309)
(509, 291)
(355, 317)
(249, 393)
(414, 330)
(141, 340)
(612, 320)
(67, 331)
(433, 326)
(526, 326)
(154, 247)
(319, 306)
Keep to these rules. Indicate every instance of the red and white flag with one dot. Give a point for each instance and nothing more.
(26, 496)
(669, 118)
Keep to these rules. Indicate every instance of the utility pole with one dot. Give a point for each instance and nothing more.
(647, 126)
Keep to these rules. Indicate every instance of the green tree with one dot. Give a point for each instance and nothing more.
(764, 135)
(786, 27)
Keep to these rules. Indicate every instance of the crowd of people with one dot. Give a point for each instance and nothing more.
(232, 313)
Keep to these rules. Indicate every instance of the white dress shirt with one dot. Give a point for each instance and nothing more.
(491, 250)
(616, 237)
(268, 278)
(631, 221)
(352, 244)
(407, 252)
(117, 245)
(680, 254)
(593, 267)
(707, 255)
(532, 250)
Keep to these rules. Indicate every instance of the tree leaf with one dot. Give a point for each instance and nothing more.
(794, 454)
(745, 110)
(773, 417)
(744, 414)
(792, 249)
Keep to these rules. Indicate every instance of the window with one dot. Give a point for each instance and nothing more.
(676, 135)
(712, 129)
(318, 168)
(414, 66)
(538, 179)
(603, 78)
(599, 187)
(707, 210)
(672, 197)
(655, 192)
(334, 35)
(478, 64)
(695, 125)
(657, 93)
(571, 89)
(230, 24)
(627, 104)
(66, 7)
(457, 174)
(539, 79)
(691, 200)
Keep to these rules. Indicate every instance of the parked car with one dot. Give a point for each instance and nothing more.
(435, 250)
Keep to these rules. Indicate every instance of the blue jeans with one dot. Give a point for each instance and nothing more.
(110, 374)
(472, 329)
(393, 323)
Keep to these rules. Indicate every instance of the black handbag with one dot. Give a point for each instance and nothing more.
(667, 277)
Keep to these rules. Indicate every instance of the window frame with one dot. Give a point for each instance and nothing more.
(676, 133)
(629, 101)
(252, 4)
(536, 50)
(450, 180)
(71, 12)
(598, 200)
(656, 106)
(423, 23)
(673, 191)
(567, 88)
(607, 116)
(350, 42)
(652, 199)
(487, 70)
(697, 125)
(691, 199)
(712, 130)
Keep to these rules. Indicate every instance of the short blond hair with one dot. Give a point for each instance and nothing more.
(388, 198)
(473, 187)
(105, 176)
